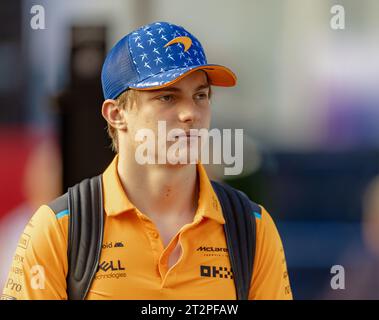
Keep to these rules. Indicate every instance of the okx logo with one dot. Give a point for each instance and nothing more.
(113, 269)
(216, 272)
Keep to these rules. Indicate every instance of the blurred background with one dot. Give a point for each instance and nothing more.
(306, 98)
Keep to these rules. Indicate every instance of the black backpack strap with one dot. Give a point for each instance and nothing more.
(85, 235)
(240, 232)
(60, 205)
(84, 203)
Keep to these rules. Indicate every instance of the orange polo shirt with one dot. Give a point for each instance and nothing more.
(133, 262)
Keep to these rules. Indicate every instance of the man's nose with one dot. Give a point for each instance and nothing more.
(188, 111)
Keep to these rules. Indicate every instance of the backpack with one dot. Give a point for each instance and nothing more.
(84, 202)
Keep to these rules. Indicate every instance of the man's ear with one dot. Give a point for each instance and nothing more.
(114, 114)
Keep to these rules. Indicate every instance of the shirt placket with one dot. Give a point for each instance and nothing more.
(168, 275)
(160, 253)
(153, 236)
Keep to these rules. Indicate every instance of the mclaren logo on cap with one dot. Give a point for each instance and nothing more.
(185, 41)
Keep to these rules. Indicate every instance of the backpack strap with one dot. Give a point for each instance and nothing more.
(240, 232)
(84, 203)
(60, 205)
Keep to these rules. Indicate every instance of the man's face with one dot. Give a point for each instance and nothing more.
(184, 105)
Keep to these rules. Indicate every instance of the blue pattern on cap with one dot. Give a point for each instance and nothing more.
(141, 60)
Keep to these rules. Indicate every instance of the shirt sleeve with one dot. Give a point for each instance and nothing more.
(270, 279)
(39, 266)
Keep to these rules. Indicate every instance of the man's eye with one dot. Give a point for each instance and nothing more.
(166, 98)
(202, 96)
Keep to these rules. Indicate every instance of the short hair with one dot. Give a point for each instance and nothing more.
(126, 100)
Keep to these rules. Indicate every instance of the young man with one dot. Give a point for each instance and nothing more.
(163, 234)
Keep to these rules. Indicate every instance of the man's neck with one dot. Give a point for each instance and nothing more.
(160, 191)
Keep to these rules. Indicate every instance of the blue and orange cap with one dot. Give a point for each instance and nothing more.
(155, 56)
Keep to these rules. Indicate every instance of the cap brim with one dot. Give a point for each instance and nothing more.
(218, 76)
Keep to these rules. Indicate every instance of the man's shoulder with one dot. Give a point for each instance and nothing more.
(262, 217)
(51, 217)
(256, 208)
(59, 205)
(43, 230)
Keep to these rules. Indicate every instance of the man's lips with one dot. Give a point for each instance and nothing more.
(186, 134)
